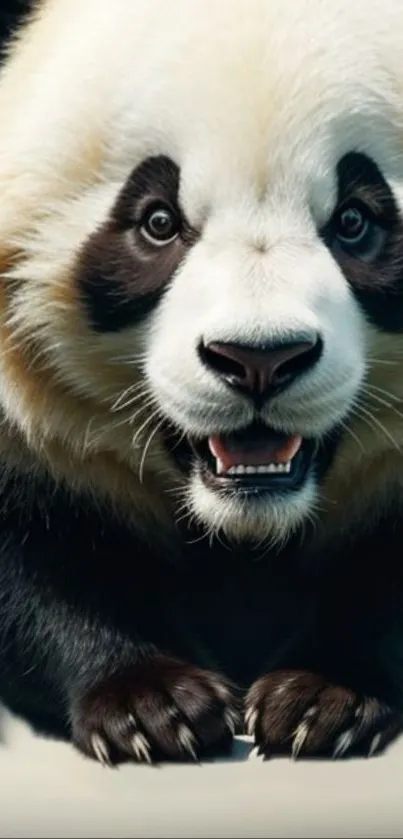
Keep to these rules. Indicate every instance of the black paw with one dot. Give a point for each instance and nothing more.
(302, 714)
(160, 709)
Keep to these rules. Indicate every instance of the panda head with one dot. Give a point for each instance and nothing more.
(222, 280)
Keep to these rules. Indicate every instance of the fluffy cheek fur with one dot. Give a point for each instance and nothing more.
(69, 391)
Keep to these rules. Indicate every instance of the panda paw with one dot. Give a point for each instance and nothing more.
(160, 709)
(303, 715)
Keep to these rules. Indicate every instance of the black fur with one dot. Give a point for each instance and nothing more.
(100, 634)
(11, 14)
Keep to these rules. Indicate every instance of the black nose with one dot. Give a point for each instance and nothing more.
(261, 371)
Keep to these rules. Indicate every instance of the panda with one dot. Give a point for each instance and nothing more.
(201, 386)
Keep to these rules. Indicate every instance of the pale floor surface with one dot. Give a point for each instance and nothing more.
(47, 790)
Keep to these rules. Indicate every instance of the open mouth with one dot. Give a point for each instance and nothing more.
(255, 459)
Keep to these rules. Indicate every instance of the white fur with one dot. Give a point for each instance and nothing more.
(256, 100)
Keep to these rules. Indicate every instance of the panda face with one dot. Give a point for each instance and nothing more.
(258, 347)
(258, 329)
(238, 244)
(263, 264)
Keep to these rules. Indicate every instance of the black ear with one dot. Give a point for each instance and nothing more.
(11, 13)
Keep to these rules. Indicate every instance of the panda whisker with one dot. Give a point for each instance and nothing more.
(177, 490)
(194, 524)
(383, 402)
(146, 422)
(185, 515)
(121, 402)
(145, 407)
(143, 395)
(368, 417)
(128, 359)
(220, 540)
(177, 442)
(370, 388)
(183, 506)
(394, 355)
(208, 533)
(146, 449)
(352, 434)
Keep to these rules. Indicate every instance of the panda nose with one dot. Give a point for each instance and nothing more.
(261, 371)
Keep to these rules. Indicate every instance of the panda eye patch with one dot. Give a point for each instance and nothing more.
(127, 263)
(365, 212)
(149, 200)
(364, 236)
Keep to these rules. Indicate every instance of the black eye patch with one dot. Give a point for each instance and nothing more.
(121, 274)
(365, 236)
(156, 178)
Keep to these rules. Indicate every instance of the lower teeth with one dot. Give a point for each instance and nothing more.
(269, 469)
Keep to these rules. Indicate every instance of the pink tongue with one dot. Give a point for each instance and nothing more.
(270, 452)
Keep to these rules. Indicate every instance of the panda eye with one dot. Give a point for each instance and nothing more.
(160, 225)
(356, 232)
(351, 225)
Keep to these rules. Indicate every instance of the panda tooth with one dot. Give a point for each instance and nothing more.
(240, 469)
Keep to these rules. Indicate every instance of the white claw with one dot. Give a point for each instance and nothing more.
(251, 720)
(100, 750)
(302, 731)
(343, 742)
(187, 740)
(300, 735)
(375, 744)
(141, 747)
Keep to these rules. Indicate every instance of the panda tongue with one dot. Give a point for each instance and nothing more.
(254, 452)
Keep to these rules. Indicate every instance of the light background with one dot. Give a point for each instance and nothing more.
(47, 790)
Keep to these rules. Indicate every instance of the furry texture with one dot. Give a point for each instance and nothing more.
(253, 122)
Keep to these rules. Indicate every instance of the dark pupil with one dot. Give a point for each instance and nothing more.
(161, 223)
(351, 223)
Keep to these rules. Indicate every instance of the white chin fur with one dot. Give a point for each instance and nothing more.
(265, 522)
